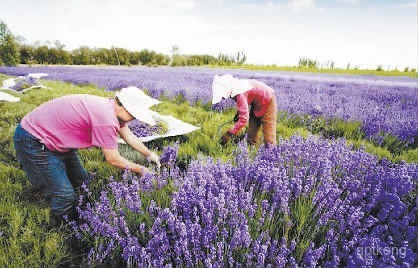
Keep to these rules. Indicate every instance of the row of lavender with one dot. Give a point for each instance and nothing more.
(383, 105)
(303, 203)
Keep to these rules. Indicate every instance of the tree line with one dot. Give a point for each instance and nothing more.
(305, 62)
(13, 52)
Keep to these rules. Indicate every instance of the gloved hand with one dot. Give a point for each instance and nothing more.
(225, 138)
(154, 158)
(144, 171)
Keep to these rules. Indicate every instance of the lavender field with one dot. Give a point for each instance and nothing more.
(309, 201)
(302, 204)
(384, 105)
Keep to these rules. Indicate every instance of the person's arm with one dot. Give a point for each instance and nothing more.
(242, 120)
(243, 114)
(133, 141)
(105, 137)
(127, 135)
(113, 157)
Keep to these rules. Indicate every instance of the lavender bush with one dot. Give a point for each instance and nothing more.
(169, 154)
(301, 203)
(384, 105)
(141, 129)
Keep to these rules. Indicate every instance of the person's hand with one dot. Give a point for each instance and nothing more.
(144, 171)
(225, 138)
(154, 158)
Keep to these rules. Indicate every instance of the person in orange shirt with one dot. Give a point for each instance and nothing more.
(256, 106)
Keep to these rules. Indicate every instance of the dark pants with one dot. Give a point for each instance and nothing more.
(55, 174)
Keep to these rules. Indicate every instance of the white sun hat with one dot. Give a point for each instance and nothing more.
(137, 103)
(227, 86)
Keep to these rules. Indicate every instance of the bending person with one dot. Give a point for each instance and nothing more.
(47, 139)
(256, 106)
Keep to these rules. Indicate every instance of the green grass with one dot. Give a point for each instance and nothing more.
(319, 70)
(26, 237)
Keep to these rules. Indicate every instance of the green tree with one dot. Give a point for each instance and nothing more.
(174, 53)
(241, 57)
(58, 56)
(41, 54)
(101, 56)
(161, 59)
(123, 55)
(82, 56)
(146, 56)
(116, 56)
(308, 63)
(27, 54)
(134, 58)
(9, 53)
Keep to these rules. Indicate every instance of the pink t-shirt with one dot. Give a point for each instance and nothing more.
(74, 122)
(258, 97)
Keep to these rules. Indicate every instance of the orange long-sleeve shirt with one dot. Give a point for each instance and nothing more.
(258, 97)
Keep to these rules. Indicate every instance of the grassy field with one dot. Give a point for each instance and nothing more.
(352, 71)
(27, 238)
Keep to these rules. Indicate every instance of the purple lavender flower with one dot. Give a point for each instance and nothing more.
(304, 202)
(169, 153)
(141, 129)
(384, 105)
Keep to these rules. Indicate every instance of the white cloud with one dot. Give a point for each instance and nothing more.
(174, 7)
(353, 2)
(301, 4)
(407, 5)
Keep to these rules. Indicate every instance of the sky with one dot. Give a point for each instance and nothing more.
(362, 33)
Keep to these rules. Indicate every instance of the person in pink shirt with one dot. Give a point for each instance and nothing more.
(46, 141)
(256, 106)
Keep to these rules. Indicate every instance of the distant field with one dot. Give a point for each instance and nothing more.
(340, 71)
(329, 71)
(383, 105)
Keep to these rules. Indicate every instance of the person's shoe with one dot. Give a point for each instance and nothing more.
(31, 194)
(56, 221)
(72, 214)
